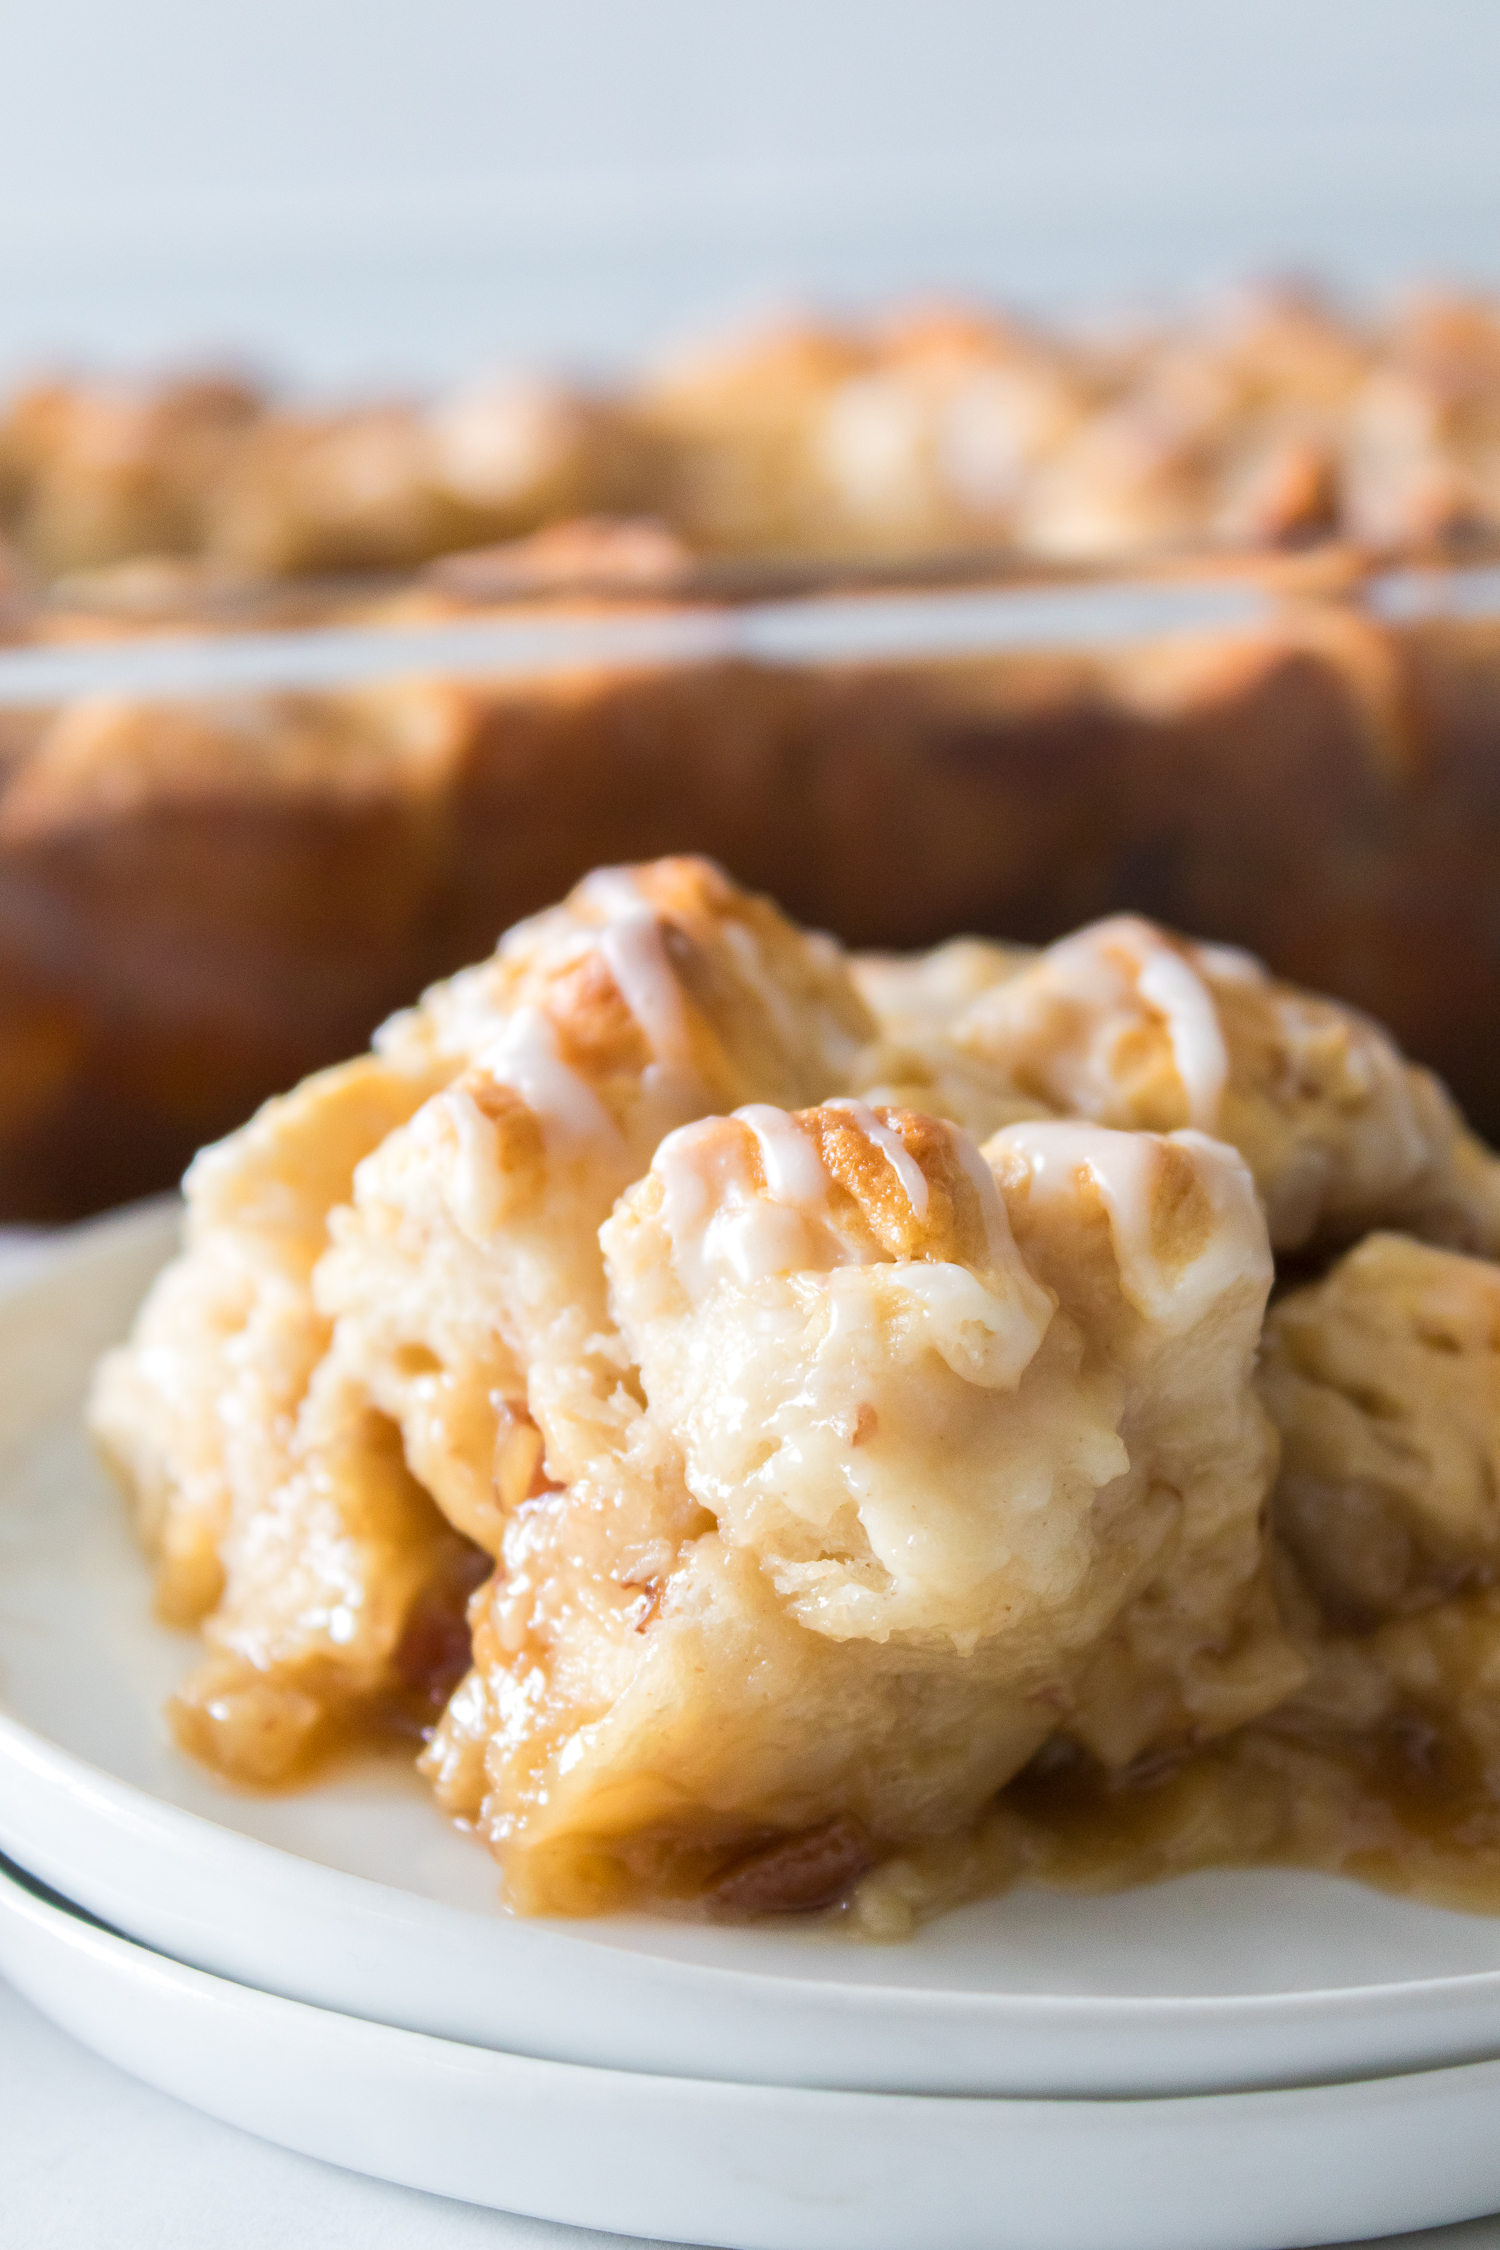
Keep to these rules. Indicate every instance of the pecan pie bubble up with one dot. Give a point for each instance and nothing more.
(792, 1431)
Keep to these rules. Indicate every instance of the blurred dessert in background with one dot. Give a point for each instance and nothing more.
(201, 900)
(1271, 418)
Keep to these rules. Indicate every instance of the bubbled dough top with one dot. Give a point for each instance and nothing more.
(874, 1389)
(1133, 1027)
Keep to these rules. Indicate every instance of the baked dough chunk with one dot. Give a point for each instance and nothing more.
(1128, 1025)
(913, 995)
(196, 1407)
(306, 1546)
(1156, 1247)
(1384, 1380)
(466, 1278)
(1227, 428)
(390, 484)
(276, 1422)
(916, 1063)
(1384, 1763)
(873, 1503)
(1420, 444)
(94, 472)
(731, 425)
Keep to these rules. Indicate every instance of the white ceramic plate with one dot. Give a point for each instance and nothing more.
(766, 2167)
(355, 1895)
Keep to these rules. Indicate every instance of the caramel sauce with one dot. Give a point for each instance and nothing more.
(262, 1735)
(1405, 1805)
(433, 1652)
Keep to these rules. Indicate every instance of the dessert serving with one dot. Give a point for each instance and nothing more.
(793, 1429)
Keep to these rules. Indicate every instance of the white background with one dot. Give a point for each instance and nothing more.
(363, 188)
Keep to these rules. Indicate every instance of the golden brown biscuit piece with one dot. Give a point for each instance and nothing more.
(1226, 428)
(935, 444)
(1420, 448)
(913, 995)
(384, 485)
(868, 1511)
(915, 1063)
(344, 1592)
(226, 1341)
(731, 425)
(920, 434)
(1130, 1026)
(1155, 1245)
(1383, 1762)
(91, 473)
(1384, 1380)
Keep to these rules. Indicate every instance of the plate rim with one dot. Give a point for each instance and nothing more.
(821, 2163)
(125, 1803)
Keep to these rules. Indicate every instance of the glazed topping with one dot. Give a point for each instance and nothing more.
(793, 1168)
(862, 1399)
(905, 1166)
(1186, 1005)
(636, 955)
(611, 892)
(1070, 1026)
(719, 1224)
(999, 1241)
(1173, 1260)
(525, 1056)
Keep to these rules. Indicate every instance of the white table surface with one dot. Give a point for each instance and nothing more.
(89, 2155)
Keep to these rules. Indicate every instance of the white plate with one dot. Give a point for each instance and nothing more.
(766, 2167)
(355, 1895)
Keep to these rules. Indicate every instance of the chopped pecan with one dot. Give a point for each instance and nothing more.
(796, 1874)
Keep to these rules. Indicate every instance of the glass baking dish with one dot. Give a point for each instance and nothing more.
(228, 847)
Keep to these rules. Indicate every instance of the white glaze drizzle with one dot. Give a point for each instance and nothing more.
(789, 1158)
(612, 891)
(895, 1151)
(636, 957)
(1125, 958)
(525, 1057)
(1174, 988)
(686, 1199)
(720, 1227)
(998, 1238)
(633, 948)
(1125, 1167)
(1230, 964)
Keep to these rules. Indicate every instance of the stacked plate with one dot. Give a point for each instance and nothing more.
(1235, 2061)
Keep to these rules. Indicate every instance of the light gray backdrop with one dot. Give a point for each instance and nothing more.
(364, 188)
